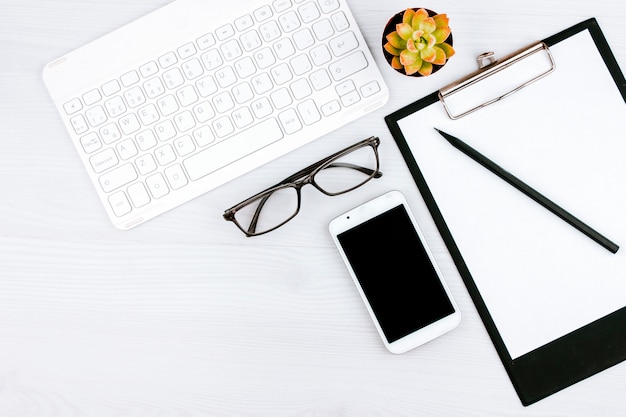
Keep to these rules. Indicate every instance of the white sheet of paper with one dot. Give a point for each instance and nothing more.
(564, 136)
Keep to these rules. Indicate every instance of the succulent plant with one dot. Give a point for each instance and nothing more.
(418, 42)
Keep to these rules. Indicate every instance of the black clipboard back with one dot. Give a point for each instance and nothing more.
(568, 359)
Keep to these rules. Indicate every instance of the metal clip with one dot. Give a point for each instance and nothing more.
(486, 59)
(489, 66)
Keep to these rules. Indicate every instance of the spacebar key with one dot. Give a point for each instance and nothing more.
(233, 149)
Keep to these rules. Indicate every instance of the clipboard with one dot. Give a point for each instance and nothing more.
(551, 299)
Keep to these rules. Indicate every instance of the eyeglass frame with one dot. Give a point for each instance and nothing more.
(300, 179)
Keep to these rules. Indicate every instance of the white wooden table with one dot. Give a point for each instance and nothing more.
(184, 316)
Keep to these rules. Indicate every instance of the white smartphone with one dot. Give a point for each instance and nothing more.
(395, 272)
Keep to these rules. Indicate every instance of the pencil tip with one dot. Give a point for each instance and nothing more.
(437, 129)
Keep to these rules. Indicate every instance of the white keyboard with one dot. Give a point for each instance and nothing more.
(180, 102)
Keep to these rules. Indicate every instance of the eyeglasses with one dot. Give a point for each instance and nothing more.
(336, 174)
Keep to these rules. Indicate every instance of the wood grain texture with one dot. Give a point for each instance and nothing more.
(185, 317)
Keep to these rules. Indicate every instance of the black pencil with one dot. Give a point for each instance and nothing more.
(529, 191)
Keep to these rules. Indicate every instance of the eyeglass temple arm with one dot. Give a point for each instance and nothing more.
(366, 171)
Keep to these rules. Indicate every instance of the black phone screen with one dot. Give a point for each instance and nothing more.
(396, 274)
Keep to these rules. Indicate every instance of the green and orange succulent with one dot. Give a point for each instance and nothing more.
(419, 42)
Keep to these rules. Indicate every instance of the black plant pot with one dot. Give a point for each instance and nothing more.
(391, 27)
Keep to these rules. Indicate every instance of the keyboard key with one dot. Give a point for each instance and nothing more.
(79, 124)
(281, 98)
(90, 142)
(225, 77)
(96, 116)
(138, 195)
(206, 41)
(245, 67)
(148, 114)
(129, 124)
(281, 5)
(119, 204)
(146, 140)
(242, 117)
(242, 93)
(370, 89)
(206, 86)
(111, 88)
(165, 130)
(284, 48)
(330, 108)
(323, 29)
(301, 64)
(173, 78)
(340, 21)
(308, 12)
(301, 89)
(281, 74)
(134, 97)
(289, 21)
(110, 133)
(289, 121)
(320, 55)
(148, 69)
(157, 185)
(347, 66)
(115, 106)
(244, 22)
(250, 40)
(92, 97)
(145, 164)
(231, 50)
(343, 44)
(203, 136)
(120, 176)
(264, 58)
(303, 39)
(167, 60)
(104, 160)
(345, 87)
(126, 149)
(350, 98)
(168, 105)
(262, 107)
(211, 59)
(184, 145)
(186, 51)
(73, 106)
(269, 31)
(203, 112)
(263, 13)
(176, 177)
(187, 95)
(192, 69)
(223, 102)
(129, 78)
(224, 32)
(308, 112)
(223, 127)
(233, 149)
(184, 121)
(262, 83)
(165, 154)
(328, 6)
(154, 87)
(320, 79)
